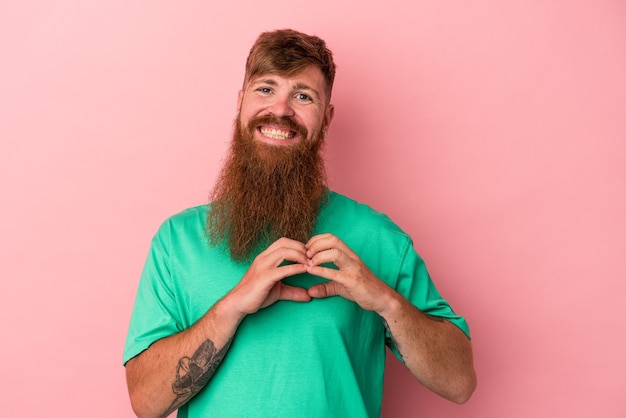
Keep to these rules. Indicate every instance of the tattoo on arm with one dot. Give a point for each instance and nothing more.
(393, 340)
(193, 373)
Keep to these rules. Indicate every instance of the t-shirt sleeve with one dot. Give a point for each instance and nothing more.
(155, 314)
(415, 284)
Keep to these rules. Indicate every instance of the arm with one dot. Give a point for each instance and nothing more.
(436, 352)
(172, 370)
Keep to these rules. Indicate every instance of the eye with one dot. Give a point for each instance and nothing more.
(303, 97)
(264, 90)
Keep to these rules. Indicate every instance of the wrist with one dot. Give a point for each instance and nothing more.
(221, 322)
(226, 311)
(391, 304)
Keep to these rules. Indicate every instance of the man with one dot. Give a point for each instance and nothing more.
(278, 298)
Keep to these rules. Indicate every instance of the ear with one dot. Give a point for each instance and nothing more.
(239, 100)
(328, 116)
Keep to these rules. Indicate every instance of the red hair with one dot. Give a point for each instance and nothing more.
(286, 51)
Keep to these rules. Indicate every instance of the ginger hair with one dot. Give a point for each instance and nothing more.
(286, 52)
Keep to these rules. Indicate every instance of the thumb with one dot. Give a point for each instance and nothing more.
(294, 293)
(324, 290)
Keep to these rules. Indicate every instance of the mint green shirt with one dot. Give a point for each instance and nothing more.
(324, 358)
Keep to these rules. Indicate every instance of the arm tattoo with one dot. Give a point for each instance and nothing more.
(193, 373)
(393, 340)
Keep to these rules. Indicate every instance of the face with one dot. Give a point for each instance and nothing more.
(283, 111)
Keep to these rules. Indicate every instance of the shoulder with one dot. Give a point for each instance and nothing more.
(188, 221)
(358, 222)
(189, 214)
(347, 210)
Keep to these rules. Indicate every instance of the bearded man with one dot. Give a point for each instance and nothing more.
(279, 297)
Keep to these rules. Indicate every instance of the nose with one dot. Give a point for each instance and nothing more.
(281, 106)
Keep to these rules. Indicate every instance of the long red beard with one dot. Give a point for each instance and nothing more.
(266, 192)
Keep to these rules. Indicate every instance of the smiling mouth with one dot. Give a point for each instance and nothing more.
(278, 134)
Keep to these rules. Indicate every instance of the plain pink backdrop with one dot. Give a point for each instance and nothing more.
(493, 132)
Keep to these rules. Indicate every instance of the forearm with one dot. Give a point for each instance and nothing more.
(172, 370)
(436, 352)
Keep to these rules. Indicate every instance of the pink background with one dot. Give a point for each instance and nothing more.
(493, 132)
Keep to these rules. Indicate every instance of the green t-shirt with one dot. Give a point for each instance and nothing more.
(324, 358)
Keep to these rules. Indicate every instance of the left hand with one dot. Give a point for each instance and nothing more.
(353, 280)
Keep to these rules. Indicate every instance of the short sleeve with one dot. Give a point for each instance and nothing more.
(415, 284)
(155, 313)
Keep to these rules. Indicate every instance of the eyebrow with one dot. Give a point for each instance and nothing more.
(269, 81)
(303, 86)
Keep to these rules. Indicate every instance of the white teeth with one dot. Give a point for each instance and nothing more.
(277, 133)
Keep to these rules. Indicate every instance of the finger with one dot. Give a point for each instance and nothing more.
(294, 293)
(274, 251)
(287, 271)
(269, 277)
(326, 256)
(317, 238)
(323, 290)
(324, 243)
(275, 257)
(285, 243)
(331, 274)
(339, 257)
(321, 241)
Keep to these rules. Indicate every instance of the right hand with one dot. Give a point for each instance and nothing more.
(261, 286)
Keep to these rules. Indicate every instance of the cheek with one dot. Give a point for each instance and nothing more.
(248, 108)
(245, 116)
(314, 123)
(244, 113)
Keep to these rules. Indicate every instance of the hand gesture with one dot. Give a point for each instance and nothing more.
(353, 280)
(261, 286)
